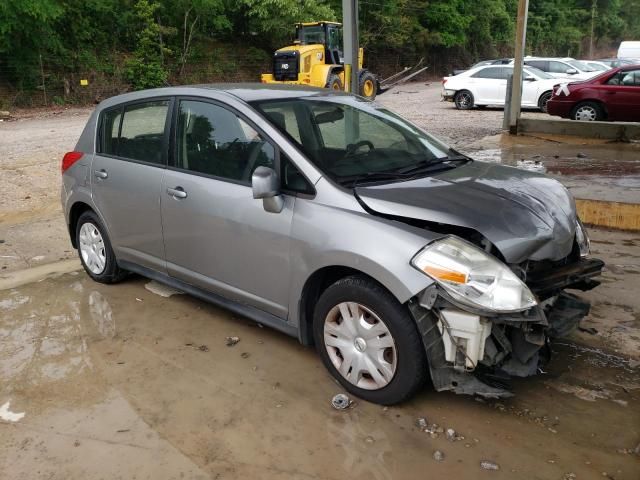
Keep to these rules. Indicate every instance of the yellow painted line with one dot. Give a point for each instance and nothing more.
(617, 215)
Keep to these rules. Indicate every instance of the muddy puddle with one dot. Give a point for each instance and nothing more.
(129, 381)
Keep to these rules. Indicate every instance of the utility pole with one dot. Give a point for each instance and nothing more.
(516, 91)
(594, 6)
(351, 45)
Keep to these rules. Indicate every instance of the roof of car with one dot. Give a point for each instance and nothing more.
(247, 92)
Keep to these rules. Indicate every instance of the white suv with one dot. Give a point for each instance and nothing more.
(562, 67)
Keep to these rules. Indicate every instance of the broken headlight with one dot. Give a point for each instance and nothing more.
(473, 277)
(582, 239)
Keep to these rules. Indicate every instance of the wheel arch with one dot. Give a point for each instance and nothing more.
(77, 209)
(315, 285)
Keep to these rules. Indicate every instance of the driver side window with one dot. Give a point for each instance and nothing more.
(214, 141)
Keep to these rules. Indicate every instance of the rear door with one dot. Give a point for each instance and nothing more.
(127, 176)
(217, 236)
(490, 86)
(621, 95)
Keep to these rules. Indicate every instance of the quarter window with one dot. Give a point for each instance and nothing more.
(110, 129)
(214, 141)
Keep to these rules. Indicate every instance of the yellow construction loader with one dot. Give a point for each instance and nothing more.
(316, 59)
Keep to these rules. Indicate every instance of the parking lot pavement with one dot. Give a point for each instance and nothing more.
(120, 382)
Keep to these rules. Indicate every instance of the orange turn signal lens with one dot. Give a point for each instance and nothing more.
(445, 275)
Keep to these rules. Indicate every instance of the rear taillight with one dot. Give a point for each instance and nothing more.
(444, 80)
(69, 159)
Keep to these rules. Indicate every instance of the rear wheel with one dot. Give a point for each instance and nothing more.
(588, 112)
(367, 84)
(94, 249)
(463, 100)
(368, 341)
(542, 101)
(334, 82)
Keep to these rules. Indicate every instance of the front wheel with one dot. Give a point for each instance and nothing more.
(368, 341)
(587, 111)
(333, 82)
(463, 100)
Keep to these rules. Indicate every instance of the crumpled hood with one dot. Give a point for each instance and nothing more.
(526, 215)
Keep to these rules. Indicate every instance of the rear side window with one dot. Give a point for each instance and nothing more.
(491, 72)
(559, 67)
(541, 64)
(142, 131)
(135, 131)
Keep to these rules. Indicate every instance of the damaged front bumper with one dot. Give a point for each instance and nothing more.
(474, 352)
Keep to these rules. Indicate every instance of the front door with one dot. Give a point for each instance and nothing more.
(126, 178)
(621, 95)
(216, 235)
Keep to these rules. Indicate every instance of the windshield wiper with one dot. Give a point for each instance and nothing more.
(428, 164)
(353, 180)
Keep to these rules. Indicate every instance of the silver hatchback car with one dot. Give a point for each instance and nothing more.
(332, 219)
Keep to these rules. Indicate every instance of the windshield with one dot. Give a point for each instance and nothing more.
(349, 138)
(536, 72)
(580, 66)
(311, 34)
(597, 66)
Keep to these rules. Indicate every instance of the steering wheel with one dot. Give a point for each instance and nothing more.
(352, 148)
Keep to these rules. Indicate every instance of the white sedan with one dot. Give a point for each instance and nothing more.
(487, 85)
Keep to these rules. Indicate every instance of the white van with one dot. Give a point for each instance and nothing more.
(629, 50)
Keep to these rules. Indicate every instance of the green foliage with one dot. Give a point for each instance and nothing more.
(60, 41)
(145, 69)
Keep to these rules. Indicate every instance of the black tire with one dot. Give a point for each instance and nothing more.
(411, 363)
(542, 101)
(367, 85)
(334, 83)
(463, 100)
(592, 110)
(111, 272)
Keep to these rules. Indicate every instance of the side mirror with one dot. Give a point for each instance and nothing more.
(571, 71)
(265, 184)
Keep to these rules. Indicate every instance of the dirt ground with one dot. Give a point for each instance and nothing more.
(125, 382)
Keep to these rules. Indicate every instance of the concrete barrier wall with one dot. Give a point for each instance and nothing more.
(617, 215)
(621, 131)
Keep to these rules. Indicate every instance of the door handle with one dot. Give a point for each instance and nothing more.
(610, 93)
(101, 173)
(177, 192)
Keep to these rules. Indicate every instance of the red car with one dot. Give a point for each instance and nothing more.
(612, 95)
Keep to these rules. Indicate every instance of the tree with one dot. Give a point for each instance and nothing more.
(145, 69)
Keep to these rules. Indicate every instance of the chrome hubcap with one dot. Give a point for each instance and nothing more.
(360, 346)
(586, 113)
(92, 248)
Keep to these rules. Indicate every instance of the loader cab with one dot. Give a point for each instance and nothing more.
(328, 34)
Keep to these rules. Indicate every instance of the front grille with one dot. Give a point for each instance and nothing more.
(285, 66)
